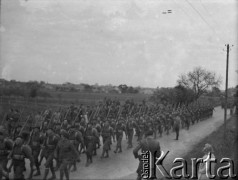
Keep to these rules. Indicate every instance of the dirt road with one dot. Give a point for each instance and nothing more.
(123, 165)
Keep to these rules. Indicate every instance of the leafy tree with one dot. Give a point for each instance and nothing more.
(199, 80)
(123, 88)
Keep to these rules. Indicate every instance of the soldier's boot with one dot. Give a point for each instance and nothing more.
(66, 172)
(38, 173)
(4, 174)
(46, 173)
(53, 177)
(87, 163)
(57, 166)
(61, 174)
(176, 136)
(120, 150)
(107, 155)
(95, 152)
(75, 167)
(116, 150)
(103, 153)
(91, 159)
(70, 165)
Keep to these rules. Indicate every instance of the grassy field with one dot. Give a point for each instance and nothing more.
(223, 148)
(62, 99)
(95, 97)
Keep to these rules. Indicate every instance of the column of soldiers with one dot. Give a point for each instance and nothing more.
(61, 136)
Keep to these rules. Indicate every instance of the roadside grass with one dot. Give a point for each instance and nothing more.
(223, 147)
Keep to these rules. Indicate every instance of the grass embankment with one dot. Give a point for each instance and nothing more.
(223, 147)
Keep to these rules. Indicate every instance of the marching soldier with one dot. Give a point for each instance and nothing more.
(148, 144)
(140, 131)
(106, 136)
(5, 147)
(66, 152)
(49, 145)
(89, 143)
(76, 138)
(119, 136)
(130, 132)
(35, 144)
(19, 152)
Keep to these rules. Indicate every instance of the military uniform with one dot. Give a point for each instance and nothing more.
(130, 132)
(50, 146)
(147, 144)
(35, 144)
(106, 136)
(89, 140)
(66, 152)
(76, 138)
(119, 136)
(19, 153)
(5, 147)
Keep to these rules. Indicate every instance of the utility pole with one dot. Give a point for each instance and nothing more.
(227, 67)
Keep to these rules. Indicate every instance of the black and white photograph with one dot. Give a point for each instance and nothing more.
(118, 89)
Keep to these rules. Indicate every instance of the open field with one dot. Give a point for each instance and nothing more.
(83, 97)
(66, 98)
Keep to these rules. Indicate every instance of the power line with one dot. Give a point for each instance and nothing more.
(205, 8)
(203, 19)
(190, 16)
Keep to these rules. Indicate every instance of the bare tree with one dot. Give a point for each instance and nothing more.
(199, 80)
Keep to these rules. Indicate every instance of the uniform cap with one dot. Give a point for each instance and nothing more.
(24, 135)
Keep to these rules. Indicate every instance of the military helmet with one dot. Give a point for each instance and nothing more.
(64, 133)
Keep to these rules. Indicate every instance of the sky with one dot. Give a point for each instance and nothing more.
(117, 41)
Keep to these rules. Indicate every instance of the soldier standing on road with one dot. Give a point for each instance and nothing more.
(147, 144)
(177, 122)
(66, 152)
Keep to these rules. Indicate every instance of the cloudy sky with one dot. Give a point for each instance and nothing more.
(116, 41)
